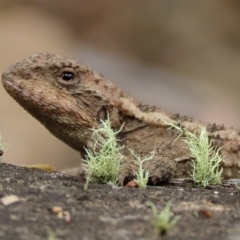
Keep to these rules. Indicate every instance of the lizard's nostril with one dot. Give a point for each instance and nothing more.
(27, 75)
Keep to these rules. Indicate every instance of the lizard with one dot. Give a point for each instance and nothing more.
(70, 99)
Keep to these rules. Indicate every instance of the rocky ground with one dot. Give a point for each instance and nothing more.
(106, 212)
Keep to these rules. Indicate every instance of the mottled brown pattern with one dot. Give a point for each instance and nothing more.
(69, 99)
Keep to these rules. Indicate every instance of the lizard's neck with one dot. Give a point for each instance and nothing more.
(144, 113)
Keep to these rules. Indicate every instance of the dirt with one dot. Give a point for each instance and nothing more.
(107, 212)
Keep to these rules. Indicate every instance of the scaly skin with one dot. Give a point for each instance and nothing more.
(69, 99)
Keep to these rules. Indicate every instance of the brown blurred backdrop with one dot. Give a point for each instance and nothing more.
(181, 55)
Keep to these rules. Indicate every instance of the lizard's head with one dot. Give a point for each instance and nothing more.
(65, 96)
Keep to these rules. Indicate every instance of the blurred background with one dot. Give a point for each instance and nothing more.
(183, 56)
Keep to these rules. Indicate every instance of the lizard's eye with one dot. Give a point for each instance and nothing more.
(67, 76)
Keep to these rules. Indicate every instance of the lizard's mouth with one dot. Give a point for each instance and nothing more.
(18, 92)
(32, 100)
(10, 85)
(44, 106)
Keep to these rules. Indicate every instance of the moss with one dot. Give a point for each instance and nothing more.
(104, 160)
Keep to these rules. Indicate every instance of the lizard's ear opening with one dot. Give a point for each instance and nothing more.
(102, 114)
